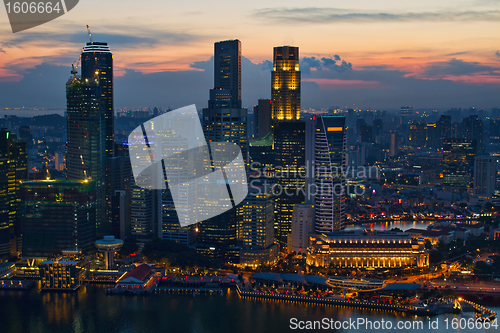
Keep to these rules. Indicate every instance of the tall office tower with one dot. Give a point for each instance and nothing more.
(262, 118)
(142, 214)
(432, 136)
(473, 130)
(407, 112)
(302, 226)
(485, 170)
(120, 182)
(168, 226)
(329, 149)
(289, 152)
(418, 134)
(227, 71)
(443, 126)
(85, 147)
(366, 132)
(224, 121)
(258, 226)
(25, 134)
(394, 145)
(285, 84)
(57, 215)
(97, 59)
(13, 170)
(458, 160)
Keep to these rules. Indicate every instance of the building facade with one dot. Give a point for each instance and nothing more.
(57, 215)
(302, 227)
(354, 249)
(285, 84)
(458, 161)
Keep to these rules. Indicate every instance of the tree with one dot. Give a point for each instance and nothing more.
(129, 246)
(482, 268)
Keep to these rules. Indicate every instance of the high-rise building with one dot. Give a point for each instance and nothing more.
(142, 214)
(458, 161)
(224, 121)
(227, 71)
(418, 134)
(57, 215)
(289, 166)
(329, 156)
(86, 137)
(394, 144)
(302, 226)
(258, 226)
(473, 130)
(262, 118)
(97, 60)
(120, 182)
(485, 170)
(444, 127)
(13, 170)
(285, 84)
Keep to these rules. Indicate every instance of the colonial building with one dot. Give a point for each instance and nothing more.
(352, 249)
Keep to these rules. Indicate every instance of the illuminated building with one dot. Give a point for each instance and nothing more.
(13, 169)
(224, 121)
(329, 166)
(57, 215)
(142, 213)
(355, 249)
(258, 226)
(458, 160)
(227, 71)
(109, 245)
(97, 61)
(97, 58)
(302, 226)
(139, 279)
(62, 274)
(285, 84)
(485, 170)
(418, 134)
(289, 152)
(394, 145)
(263, 118)
(85, 147)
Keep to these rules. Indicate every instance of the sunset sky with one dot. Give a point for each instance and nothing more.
(374, 54)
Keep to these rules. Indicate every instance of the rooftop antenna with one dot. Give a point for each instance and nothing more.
(90, 35)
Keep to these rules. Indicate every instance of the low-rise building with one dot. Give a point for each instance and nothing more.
(139, 279)
(375, 249)
(62, 274)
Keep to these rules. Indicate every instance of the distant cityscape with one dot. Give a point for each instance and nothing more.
(344, 206)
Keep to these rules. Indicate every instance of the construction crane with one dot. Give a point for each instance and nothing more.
(75, 65)
(90, 35)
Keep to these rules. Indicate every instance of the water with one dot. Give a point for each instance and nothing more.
(90, 310)
(386, 226)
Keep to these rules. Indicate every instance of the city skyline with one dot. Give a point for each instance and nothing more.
(359, 56)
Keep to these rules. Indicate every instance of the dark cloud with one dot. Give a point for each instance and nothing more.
(457, 67)
(498, 54)
(2, 50)
(456, 53)
(113, 39)
(333, 15)
(44, 86)
(307, 63)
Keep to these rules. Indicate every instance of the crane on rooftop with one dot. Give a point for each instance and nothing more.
(90, 35)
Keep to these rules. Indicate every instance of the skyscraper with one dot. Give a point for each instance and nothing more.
(57, 215)
(224, 121)
(302, 226)
(262, 118)
(258, 226)
(227, 71)
(285, 84)
(86, 135)
(458, 161)
(485, 170)
(329, 154)
(97, 60)
(13, 169)
(289, 163)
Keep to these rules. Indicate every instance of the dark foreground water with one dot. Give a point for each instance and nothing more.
(89, 310)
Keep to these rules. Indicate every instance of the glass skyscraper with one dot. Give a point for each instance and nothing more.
(57, 215)
(224, 121)
(13, 169)
(458, 162)
(86, 134)
(329, 157)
